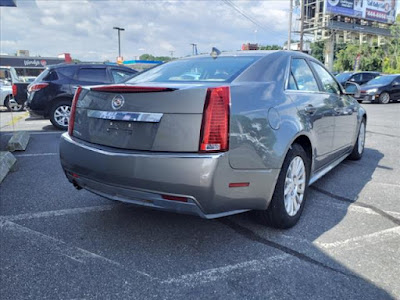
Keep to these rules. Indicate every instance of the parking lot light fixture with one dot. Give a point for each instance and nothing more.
(119, 39)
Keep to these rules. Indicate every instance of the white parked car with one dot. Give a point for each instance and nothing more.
(6, 97)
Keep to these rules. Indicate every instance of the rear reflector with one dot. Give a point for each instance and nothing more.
(214, 135)
(37, 87)
(239, 184)
(174, 198)
(130, 89)
(73, 110)
(14, 90)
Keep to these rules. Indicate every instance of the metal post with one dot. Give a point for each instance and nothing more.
(119, 42)
(119, 39)
(302, 7)
(290, 25)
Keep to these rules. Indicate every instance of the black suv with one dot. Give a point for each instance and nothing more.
(50, 95)
(356, 77)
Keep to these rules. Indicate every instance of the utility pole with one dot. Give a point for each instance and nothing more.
(302, 7)
(290, 25)
(172, 53)
(119, 39)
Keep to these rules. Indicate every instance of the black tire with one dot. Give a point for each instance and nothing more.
(384, 98)
(358, 149)
(276, 214)
(54, 119)
(12, 108)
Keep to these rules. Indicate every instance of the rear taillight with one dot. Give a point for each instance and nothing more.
(73, 109)
(214, 135)
(36, 87)
(130, 89)
(14, 90)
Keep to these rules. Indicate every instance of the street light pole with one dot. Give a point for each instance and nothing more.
(119, 39)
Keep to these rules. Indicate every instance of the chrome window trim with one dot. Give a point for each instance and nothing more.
(125, 116)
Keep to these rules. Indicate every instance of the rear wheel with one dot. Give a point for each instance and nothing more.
(290, 193)
(12, 105)
(59, 114)
(358, 149)
(384, 98)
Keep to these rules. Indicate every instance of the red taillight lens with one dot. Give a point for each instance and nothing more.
(36, 87)
(14, 90)
(73, 109)
(130, 89)
(174, 198)
(214, 135)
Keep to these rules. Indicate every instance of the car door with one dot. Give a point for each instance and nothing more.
(395, 94)
(344, 106)
(315, 109)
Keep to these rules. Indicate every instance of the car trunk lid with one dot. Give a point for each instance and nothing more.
(154, 118)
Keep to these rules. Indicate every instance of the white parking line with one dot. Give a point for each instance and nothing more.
(37, 154)
(34, 132)
(56, 213)
(372, 237)
(223, 272)
(60, 247)
(56, 245)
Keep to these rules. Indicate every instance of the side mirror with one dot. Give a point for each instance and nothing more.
(352, 89)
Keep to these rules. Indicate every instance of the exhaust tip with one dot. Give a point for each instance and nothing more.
(76, 185)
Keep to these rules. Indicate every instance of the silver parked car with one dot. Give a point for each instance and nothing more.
(214, 136)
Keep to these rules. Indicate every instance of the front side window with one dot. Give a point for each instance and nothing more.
(329, 84)
(303, 75)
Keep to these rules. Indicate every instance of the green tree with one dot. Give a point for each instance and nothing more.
(317, 50)
(391, 62)
(270, 47)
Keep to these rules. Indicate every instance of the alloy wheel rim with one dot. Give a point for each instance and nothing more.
(61, 115)
(385, 98)
(14, 106)
(361, 138)
(295, 184)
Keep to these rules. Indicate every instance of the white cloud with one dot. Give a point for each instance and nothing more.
(85, 28)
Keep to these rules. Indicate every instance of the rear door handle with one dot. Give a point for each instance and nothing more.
(309, 109)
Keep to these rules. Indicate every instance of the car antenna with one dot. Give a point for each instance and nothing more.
(215, 52)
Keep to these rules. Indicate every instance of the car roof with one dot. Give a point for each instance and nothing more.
(260, 53)
(86, 65)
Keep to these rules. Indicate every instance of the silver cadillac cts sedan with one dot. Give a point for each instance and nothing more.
(214, 135)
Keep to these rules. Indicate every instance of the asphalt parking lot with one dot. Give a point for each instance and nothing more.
(60, 243)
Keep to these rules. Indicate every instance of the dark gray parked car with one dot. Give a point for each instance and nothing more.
(215, 136)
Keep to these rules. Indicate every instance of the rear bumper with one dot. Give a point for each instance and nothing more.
(142, 178)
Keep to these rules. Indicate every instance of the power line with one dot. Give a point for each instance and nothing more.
(232, 5)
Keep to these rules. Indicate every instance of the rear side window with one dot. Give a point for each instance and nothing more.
(92, 75)
(67, 71)
(51, 76)
(120, 75)
(329, 84)
(303, 75)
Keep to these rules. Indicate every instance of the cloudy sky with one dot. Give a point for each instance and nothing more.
(85, 28)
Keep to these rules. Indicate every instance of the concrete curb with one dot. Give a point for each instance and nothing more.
(7, 161)
(18, 141)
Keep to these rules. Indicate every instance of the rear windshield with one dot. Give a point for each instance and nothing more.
(204, 69)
